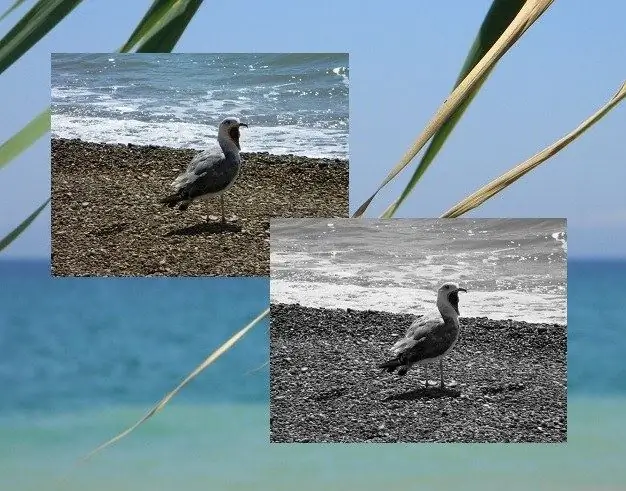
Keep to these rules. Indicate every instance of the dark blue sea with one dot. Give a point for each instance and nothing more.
(294, 103)
(81, 359)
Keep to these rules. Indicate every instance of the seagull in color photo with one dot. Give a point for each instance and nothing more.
(211, 173)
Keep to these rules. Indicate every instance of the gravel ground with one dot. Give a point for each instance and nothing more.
(510, 381)
(107, 219)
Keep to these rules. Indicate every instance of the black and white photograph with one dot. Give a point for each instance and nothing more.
(418, 330)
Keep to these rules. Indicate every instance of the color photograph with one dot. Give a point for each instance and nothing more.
(422, 330)
(173, 164)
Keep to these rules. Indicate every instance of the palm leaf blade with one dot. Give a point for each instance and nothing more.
(15, 233)
(508, 178)
(161, 27)
(529, 13)
(35, 24)
(160, 30)
(161, 404)
(498, 18)
(11, 9)
(23, 139)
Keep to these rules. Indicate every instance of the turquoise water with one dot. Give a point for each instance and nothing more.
(596, 313)
(65, 391)
(70, 344)
(225, 447)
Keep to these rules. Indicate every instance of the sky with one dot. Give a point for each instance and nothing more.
(403, 63)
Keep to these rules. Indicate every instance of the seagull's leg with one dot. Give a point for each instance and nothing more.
(208, 210)
(426, 374)
(441, 371)
(222, 199)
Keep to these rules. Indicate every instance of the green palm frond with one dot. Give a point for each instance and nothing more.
(35, 24)
(498, 18)
(162, 26)
(14, 234)
(11, 9)
(158, 31)
(527, 15)
(24, 138)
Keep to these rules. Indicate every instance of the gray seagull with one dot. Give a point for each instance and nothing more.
(210, 173)
(430, 337)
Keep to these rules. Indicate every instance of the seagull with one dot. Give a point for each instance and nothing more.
(430, 337)
(210, 173)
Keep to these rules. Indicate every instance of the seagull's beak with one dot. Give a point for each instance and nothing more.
(461, 290)
(243, 124)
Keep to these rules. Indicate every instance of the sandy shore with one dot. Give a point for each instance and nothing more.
(107, 219)
(325, 387)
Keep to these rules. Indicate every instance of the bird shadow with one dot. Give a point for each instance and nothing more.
(111, 229)
(206, 228)
(424, 393)
(331, 394)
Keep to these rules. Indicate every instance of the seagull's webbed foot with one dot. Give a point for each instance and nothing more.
(223, 218)
(442, 385)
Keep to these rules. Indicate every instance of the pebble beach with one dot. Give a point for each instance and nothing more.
(107, 219)
(510, 381)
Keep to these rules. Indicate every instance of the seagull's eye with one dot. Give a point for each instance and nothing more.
(447, 287)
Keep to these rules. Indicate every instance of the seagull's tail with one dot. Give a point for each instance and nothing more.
(391, 365)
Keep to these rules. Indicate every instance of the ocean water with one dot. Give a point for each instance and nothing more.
(70, 344)
(512, 269)
(215, 433)
(226, 447)
(294, 103)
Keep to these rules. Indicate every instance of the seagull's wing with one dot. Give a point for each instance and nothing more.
(420, 328)
(209, 174)
(428, 337)
(423, 324)
(204, 158)
(200, 165)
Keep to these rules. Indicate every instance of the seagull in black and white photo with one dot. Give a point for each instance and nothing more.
(210, 173)
(430, 337)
